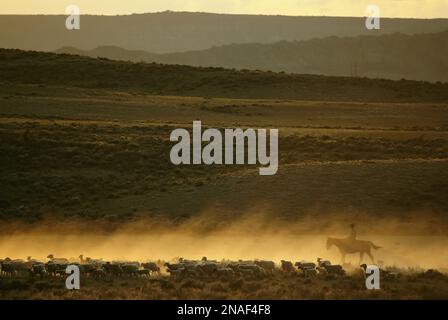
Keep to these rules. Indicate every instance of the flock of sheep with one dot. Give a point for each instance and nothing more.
(178, 269)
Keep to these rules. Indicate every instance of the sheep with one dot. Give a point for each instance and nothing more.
(176, 270)
(7, 267)
(225, 273)
(113, 269)
(192, 268)
(287, 266)
(185, 261)
(268, 266)
(207, 268)
(173, 266)
(205, 259)
(57, 260)
(21, 267)
(90, 260)
(306, 268)
(91, 267)
(321, 263)
(384, 274)
(51, 268)
(232, 265)
(325, 267)
(176, 273)
(38, 269)
(245, 270)
(130, 268)
(88, 268)
(191, 272)
(334, 269)
(152, 267)
(247, 273)
(305, 265)
(189, 268)
(16, 267)
(56, 267)
(250, 270)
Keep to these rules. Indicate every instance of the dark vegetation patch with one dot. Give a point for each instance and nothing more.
(278, 286)
(31, 67)
(83, 168)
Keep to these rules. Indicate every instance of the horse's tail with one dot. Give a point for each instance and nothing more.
(374, 246)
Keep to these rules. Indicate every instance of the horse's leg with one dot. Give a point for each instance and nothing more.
(371, 256)
(361, 256)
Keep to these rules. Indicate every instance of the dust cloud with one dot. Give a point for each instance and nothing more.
(412, 242)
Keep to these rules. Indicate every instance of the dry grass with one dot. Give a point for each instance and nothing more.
(412, 285)
(45, 69)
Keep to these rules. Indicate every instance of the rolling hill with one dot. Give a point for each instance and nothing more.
(41, 68)
(395, 56)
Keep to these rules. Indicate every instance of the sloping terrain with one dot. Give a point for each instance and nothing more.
(88, 138)
(104, 155)
(69, 70)
(395, 56)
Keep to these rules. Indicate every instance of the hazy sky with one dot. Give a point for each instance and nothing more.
(389, 8)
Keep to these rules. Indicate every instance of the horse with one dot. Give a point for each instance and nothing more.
(348, 246)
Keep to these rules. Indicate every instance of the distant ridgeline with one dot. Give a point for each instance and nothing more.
(415, 49)
(50, 69)
(395, 56)
(167, 32)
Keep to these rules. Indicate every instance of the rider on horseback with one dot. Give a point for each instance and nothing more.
(351, 245)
